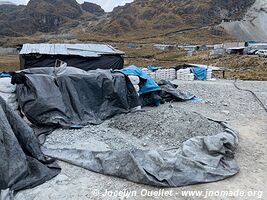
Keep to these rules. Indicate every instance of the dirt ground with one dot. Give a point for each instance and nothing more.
(222, 101)
(9, 62)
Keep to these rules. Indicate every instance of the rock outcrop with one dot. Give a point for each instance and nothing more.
(42, 16)
(172, 14)
(253, 26)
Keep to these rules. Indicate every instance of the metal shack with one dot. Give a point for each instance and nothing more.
(83, 56)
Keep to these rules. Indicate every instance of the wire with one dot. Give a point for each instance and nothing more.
(255, 96)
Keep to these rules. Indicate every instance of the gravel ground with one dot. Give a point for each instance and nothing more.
(166, 125)
(163, 128)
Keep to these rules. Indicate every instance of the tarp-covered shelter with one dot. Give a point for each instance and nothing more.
(74, 97)
(82, 56)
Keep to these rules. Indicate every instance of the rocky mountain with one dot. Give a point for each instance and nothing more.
(47, 15)
(172, 14)
(43, 16)
(253, 26)
(93, 8)
(8, 13)
(139, 16)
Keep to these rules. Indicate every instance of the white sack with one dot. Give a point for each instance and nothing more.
(137, 88)
(6, 86)
(135, 80)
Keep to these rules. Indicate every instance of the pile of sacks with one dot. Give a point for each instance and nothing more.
(162, 74)
(150, 73)
(165, 74)
(185, 75)
(8, 92)
(209, 74)
(135, 80)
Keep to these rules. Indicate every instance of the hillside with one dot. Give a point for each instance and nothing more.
(144, 16)
(43, 16)
(253, 26)
(165, 15)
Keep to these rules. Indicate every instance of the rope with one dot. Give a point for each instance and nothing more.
(254, 95)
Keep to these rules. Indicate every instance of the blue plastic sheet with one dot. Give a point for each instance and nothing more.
(149, 86)
(4, 75)
(197, 99)
(130, 45)
(153, 68)
(200, 73)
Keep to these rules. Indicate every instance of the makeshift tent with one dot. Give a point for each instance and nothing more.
(83, 56)
(74, 99)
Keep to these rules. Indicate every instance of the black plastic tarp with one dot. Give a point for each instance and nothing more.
(199, 160)
(168, 92)
(102, 62)
(75, 99)
(22, 163)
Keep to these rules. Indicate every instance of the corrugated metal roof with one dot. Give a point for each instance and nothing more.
(84, 50)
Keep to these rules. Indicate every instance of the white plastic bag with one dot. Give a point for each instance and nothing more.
(137, 88)
(6, 86)
(135, 80)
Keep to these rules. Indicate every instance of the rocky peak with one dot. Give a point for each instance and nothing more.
(60, 8)
(172, 14)
(92, 8)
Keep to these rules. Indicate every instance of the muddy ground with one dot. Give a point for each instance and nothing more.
(221, 101)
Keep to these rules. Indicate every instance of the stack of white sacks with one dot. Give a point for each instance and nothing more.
(209, 74)
(162, 74)
(135, 80)
(165, 74)
(150, 73)
(8, 93)
(172, 74)
(185, 75)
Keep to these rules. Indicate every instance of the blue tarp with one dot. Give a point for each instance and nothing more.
(4, 75)
(196, 99)
(130, 45)
(153, 68)
(200, 73)
(149, 86)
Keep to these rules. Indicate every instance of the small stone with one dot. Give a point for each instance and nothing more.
(144, 144)
(226, 112)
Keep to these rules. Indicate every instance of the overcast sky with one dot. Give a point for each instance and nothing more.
(107, 5)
